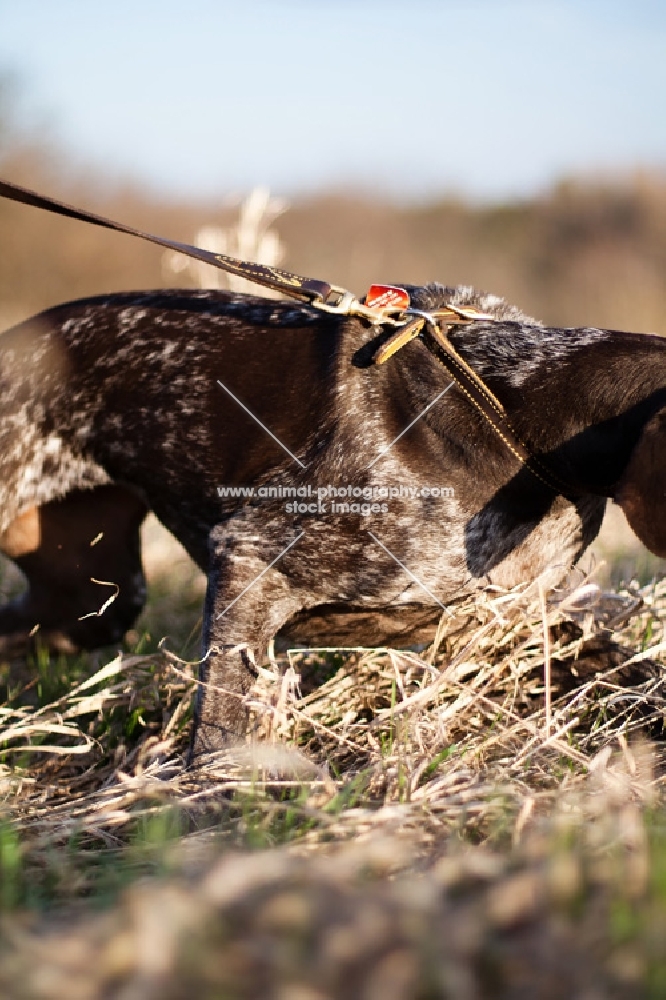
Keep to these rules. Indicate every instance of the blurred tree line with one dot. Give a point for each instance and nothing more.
(588, 252)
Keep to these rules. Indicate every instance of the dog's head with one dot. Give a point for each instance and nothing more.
(641, 492)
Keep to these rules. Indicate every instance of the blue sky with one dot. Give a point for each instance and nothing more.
(490, 99)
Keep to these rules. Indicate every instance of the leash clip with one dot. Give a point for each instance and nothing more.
(341, 302)
(338, 301)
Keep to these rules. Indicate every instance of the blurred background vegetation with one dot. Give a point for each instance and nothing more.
(587, 252)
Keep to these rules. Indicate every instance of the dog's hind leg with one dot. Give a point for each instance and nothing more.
(63, 548)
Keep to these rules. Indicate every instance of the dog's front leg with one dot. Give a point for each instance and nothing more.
(247, 601)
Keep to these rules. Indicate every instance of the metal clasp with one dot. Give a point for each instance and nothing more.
(341, 302)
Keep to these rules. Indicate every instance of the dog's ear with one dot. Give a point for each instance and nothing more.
(641, 492)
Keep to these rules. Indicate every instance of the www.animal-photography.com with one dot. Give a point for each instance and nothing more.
(332, 506)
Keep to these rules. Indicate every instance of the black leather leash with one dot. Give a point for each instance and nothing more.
(306, 289)
(387, 307)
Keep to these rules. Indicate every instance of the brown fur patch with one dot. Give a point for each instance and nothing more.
(23, 535)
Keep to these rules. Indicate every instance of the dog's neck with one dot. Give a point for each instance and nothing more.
(548, 380)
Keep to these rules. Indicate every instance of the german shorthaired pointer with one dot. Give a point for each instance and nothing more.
(167, 400)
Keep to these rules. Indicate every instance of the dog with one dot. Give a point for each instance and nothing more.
(375, 496)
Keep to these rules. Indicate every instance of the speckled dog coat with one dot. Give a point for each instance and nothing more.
(171, 400)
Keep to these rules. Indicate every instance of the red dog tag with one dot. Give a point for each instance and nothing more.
(385, 297)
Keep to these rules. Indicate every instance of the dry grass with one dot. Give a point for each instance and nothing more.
(456, 735)
(504, 840)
